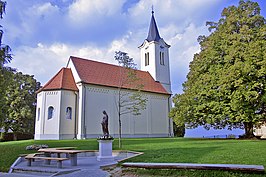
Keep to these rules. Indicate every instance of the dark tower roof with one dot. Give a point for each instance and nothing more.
(153, 31)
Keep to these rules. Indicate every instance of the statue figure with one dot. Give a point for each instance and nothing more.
(105, 125)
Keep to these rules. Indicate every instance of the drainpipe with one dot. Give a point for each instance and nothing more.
(76, 115)
(169, 120)
(84, 116)
(44, 111)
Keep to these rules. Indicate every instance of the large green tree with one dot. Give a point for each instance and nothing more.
(226, 84)
(21, 103)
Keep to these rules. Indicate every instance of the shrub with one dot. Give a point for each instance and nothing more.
(19, 136)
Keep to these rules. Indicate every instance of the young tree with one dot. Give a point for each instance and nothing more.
(130, 101)
(226, 83)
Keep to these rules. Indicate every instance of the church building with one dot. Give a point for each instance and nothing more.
(70, 105)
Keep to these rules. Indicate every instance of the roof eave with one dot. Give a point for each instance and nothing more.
(164, 93)
(57, 89)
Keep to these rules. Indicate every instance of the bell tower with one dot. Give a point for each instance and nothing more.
(155, 56)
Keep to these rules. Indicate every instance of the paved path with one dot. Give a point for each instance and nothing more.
(88, 166)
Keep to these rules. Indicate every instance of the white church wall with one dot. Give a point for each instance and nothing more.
(141, 123)
(67, 122)
(159, 111)
(39, 115)
(153, 122)
(148, 48)
(97, 100)
(52, 99)
(261, 131)
(50, 127)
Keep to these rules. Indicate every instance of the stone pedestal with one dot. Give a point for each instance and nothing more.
(105, 150)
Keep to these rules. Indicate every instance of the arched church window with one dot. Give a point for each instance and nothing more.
(68, 113)
(38, 114)
(147, 58)
(162, 58)
(50, 112)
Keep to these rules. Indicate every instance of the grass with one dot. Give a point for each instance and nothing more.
(179, 150)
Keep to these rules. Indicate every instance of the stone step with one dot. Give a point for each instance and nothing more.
(226, 167)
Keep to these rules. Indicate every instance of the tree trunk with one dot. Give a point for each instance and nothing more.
(15, 138)
(2, 136)
(248, 129)
(119, 139)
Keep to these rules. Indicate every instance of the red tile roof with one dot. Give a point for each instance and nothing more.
(93, 72)
(62, 80)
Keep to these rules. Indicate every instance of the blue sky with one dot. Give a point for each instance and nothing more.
(44, 33)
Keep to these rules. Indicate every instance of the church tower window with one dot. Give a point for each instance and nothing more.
(50, 112)
(147, 58)
(68, 113)
(162, 58)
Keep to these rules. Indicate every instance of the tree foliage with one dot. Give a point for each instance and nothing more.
(5, 55)
(21, 101)
(130, 101)
(226, 83)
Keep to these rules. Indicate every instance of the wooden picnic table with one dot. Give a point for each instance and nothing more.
(31, 157)
(72, 153)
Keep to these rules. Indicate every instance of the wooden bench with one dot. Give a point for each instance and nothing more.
(32, 157)
(226, 167)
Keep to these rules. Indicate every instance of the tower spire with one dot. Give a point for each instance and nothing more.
(153, 34)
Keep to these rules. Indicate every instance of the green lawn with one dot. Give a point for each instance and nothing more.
(163, 150)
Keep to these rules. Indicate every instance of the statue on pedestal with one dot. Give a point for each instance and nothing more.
(105, 125)
(105, 141)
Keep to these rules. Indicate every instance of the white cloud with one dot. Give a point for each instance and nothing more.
(126, 44)
(38, 61)
(84, 11)
(45, 9)
(44, 61)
